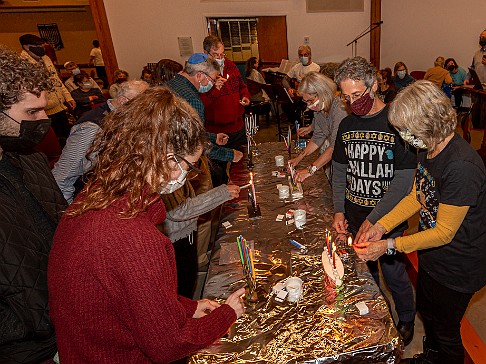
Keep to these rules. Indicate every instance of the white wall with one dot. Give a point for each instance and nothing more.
(146, 31)
(417, 31)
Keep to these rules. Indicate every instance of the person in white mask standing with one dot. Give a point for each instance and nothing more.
(319, 94)
(302, 68)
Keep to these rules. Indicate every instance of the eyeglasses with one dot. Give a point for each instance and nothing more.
(210, 78)
(304, 55)
(193, 169)
(310, 101)
(217, 55)
(355, 96)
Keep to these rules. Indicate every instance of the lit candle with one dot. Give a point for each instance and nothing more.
(350, 241)
(334, 256)
(227, 76)
(328, 238)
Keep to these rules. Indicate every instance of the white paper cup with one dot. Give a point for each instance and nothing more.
(294, 288)
(300, 218)
(279, 160)
(283, 191)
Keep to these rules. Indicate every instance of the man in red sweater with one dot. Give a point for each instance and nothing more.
(225, 104)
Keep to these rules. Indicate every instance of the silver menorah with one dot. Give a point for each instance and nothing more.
(251, 129)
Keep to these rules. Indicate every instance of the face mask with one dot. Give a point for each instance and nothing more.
(86, 85)
(304, 61)
(316, 106)
(363, 105)
(39, 51)
(203, 89)
(482, 41)
(409, 138)
(451, 68)
(401, 74)
(31, 133)
(174, 185)
(76, 71)
(121, 80)
(220, 62)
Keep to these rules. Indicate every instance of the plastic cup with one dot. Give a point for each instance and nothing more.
(294, 288)
(283, 191)
(279, 161)
(300, 218)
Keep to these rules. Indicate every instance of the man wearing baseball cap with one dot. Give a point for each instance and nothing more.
(33, 51)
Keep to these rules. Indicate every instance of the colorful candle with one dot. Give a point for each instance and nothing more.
(334, 256)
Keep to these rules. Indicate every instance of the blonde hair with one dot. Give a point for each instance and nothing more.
(425, 111)
(320, 85)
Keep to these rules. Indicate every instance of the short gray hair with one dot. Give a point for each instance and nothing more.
(320, 85)
(425, 111)
(356, 69)
(305, 47)
(131, 88)
(207, 66)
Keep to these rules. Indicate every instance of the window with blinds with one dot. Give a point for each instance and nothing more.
(239, 36)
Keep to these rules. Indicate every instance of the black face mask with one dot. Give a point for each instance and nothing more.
(482, 41)
(31, 133)
(451, 67)
(39, 51)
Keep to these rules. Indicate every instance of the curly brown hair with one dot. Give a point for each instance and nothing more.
(18, 76)
(132, 150)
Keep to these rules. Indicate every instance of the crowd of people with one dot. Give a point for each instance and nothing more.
(99, 254)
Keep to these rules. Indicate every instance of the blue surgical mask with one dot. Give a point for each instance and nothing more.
(203, 89)
(401, 74)
(304, 61)
(76, 71)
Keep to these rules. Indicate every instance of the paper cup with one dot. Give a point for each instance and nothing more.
(283, 191)
(300, 218)
(294, 288)
(279, 161)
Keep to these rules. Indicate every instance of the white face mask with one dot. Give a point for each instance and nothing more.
(174, 185)
(220, 62)
(409, 138)
(304, 61)
(316, 106)
(401, 74)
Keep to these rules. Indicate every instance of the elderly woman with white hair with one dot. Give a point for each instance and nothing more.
(449, 192)
(319, 93)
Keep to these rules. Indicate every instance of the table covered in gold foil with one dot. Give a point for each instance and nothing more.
(324, 326)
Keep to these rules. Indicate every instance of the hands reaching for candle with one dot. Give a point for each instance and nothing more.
(204, 307)
(233, 190)
(221, 138)
(340, 224)
(370, 250)
(237, 155)
(372, 233)
(220, 82)
(295, 161)
(235, 301)
(301, 175)
(365, 226)
(304, 130)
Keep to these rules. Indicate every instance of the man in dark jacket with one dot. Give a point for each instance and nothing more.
(30, 207)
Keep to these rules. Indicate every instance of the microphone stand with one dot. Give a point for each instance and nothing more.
(354, 42)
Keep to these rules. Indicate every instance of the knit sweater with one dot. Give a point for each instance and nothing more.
(113, 292)
(222, 108)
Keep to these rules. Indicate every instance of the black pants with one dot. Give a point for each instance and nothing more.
(219, 174)
(186, 262)
(442, 310)
(101, 73)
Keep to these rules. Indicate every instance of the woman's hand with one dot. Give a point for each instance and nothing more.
(372, 233)
(235, 301)
(304, 130)
(204, 307)
(234, 190)
(370, 250)
(301, 175)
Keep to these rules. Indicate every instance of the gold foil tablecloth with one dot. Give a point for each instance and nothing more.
(324, 326)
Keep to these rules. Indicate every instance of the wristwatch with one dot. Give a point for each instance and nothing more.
(312, 169)
(390, 244)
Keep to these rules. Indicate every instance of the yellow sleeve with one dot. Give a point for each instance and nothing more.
(449, 219)
(406, 208)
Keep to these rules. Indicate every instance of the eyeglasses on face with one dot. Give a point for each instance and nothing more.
(217, 55)
(311, 100)
(353, 97)
(210, 78)
(193, 169)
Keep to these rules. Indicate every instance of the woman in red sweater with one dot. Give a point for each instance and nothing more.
(112, 274)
